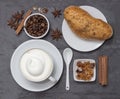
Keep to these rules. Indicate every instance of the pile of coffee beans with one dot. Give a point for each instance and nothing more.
(36, 25)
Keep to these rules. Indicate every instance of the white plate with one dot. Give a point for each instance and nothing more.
(75, 68)
(78, 43)
(51, 50)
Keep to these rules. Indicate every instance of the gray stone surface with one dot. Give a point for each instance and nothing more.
(9, 42)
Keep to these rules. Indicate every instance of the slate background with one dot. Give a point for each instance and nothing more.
(9, 42)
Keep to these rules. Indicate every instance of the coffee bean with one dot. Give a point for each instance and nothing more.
(36, 25)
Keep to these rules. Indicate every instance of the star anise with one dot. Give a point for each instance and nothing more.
(11, 23)
(56, 34)
(14, 21)
(18, 15)
(56, 13)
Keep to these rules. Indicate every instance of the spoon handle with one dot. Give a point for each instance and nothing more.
(67, 79)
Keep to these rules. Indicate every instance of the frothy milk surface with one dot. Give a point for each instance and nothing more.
(36, 65)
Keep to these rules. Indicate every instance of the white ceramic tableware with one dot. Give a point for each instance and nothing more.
(36, 65)
(78, 43)
(67, 55)
(75, 68)
(47, 47)
(42, 34)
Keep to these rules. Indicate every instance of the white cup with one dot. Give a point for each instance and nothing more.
(37, 66)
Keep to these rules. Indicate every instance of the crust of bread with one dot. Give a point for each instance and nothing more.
(86, 26)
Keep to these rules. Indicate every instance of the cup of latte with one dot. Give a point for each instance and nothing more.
(36, 66)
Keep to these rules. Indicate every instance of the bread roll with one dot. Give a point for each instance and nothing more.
(86, 26)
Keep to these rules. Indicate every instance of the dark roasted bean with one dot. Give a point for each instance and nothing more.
(36, 25)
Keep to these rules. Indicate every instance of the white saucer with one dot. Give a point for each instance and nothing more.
(51, 50)
(78, 43)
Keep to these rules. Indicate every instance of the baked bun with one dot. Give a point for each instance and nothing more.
(86, 26)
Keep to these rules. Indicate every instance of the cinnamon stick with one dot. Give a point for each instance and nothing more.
(103, 70)
(22, 22)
